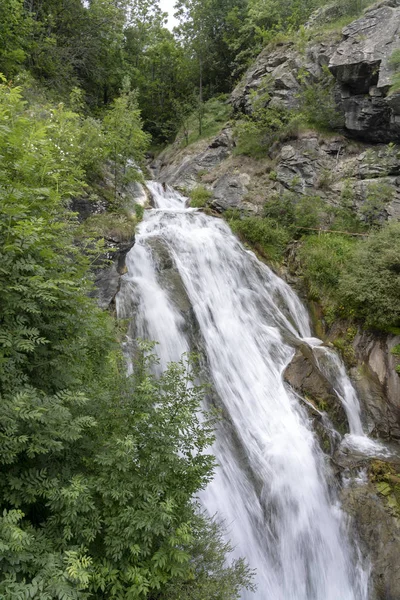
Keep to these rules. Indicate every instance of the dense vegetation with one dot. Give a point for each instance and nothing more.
(353, 274)
(98, 45)
(98, 471)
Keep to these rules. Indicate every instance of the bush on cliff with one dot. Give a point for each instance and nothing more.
(370, 283)
(323, 258)
(265, 235)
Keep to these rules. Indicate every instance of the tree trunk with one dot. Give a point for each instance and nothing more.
(200, 111)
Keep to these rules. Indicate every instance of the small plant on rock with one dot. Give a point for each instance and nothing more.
(199, 197)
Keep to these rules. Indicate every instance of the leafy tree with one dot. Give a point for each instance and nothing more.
(14, 30)
(125, 139)
(208, 549)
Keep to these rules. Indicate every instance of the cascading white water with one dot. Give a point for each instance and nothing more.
(270, 486)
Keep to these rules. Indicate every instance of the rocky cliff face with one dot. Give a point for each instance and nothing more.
(361, 66)
(360, 63)
(311, 163)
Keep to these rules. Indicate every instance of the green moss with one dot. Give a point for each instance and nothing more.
(344, 344)
(387, 484)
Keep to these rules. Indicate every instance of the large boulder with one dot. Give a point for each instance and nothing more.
(229, 191)
(361, 66)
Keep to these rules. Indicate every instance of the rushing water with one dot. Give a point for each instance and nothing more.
(271, 483)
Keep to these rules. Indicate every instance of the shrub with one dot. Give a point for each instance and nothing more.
(323, 258)
(289, 209)
(370, 284)
(281, 208)
(265, 125)
(111, 226)
(395, 65)
(139, 211)
(317, 101)
(308, 212)
(378, 194)
(199, 196)
(265, 235)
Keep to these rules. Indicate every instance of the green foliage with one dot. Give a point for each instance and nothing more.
(111, 226)
(272, 18)
(377, 196)
(297, 212)
(15, 26)
(215, 113)
(265, 235)
(268, 124)
(126, 141)
(199, 197)
(370, 285)
(317, 103)
(396, 352)
(208, 549)
(308, 212)
(324, 257)
(256, 132)
(281, 208)
(98, 470)
(139, 212)
(41, 268)
(360, 277)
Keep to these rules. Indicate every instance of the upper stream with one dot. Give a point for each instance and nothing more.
(190, 278)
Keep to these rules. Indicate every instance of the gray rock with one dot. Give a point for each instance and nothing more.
(325, 14)
(305, 377)
(277, 71)
(186, 173)
(107, 280)
(362, 70)
(378, 530)
(229, 191)
(295, 170)
(381, 386)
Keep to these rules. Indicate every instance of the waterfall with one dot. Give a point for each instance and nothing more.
(271, 483)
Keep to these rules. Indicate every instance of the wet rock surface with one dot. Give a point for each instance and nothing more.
(378, 530)
(107, 280)
(304, 376)
(380, 385)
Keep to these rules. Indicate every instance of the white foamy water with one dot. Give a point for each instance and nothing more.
(270, 486)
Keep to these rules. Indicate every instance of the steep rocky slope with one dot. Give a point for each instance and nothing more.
(356, 159)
